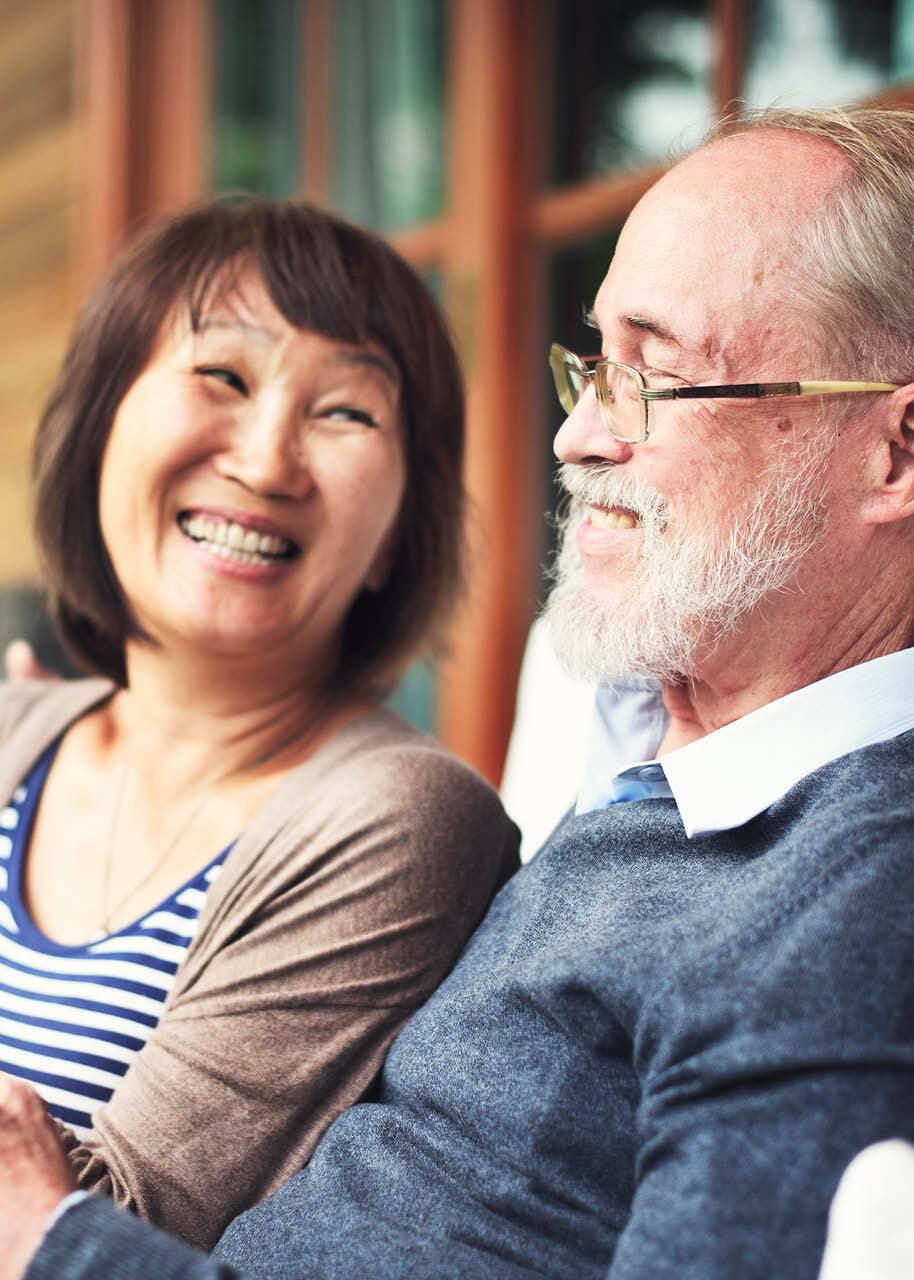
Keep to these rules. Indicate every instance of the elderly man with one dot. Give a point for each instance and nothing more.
(681, 1021)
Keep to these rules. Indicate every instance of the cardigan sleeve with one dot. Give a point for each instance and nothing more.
(339, 930)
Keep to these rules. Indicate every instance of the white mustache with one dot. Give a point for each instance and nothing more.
(606, 486)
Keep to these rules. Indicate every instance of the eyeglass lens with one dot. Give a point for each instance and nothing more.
(618, 394)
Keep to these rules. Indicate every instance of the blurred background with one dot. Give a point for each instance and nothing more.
(498, 143)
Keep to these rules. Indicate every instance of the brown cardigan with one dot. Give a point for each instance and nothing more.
(341, 907)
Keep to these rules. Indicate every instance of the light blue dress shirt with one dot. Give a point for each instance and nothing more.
(728, 777)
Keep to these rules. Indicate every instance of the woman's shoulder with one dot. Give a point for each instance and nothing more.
(380, 784)
(46, 704)
(389, 761)
(33, 713)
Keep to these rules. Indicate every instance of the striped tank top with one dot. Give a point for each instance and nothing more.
(73, 1017)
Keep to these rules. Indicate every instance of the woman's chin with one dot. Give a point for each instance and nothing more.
(200, 640)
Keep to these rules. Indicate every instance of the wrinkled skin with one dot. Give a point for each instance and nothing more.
(34, 1174)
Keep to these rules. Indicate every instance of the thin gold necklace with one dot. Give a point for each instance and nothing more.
(109, 911)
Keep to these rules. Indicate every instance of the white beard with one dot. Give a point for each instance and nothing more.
(688, 588)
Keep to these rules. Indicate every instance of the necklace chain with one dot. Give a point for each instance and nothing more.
(110, 911)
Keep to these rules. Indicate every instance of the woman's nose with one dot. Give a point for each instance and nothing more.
(582, 437)
(268, 452)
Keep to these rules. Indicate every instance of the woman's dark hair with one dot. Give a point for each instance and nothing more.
(324, 275)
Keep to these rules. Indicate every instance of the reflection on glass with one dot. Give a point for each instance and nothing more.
(255, 125)
(416, 695)
(629, 82)
(816, 52)
(573, 277)
(389, 106)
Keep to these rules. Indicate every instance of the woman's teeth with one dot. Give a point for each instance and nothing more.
(614, 518)
(233, 542)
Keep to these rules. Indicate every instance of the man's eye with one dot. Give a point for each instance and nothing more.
(668, 379)
(348, 413)
(228, 376)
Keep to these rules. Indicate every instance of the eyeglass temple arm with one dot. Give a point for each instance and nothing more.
(766, 390)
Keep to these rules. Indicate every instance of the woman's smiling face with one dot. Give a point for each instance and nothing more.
(251, 483)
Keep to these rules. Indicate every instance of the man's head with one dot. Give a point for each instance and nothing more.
(770, 255)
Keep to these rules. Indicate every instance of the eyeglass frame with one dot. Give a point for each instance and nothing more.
(647, 395)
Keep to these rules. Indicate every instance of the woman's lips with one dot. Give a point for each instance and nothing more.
(237, 539)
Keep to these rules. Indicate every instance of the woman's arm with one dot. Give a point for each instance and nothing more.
(337, 932)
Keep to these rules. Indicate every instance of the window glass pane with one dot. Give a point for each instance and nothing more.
(389, 102)
(255, 129)
(815, 52)
(628, 82)
(416, 696)
(573, 277)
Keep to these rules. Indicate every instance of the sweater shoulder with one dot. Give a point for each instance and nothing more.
(19, 699)
(33, 713)
(378, 794)
(860, 803)
(382, 764)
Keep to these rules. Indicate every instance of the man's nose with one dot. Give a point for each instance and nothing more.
(582, 437)
(268, 451)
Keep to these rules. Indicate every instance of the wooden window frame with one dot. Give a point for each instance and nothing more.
(146, 89)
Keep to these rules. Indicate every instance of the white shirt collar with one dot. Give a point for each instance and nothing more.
(730, 776)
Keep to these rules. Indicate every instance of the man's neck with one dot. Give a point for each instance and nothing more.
(738, 681)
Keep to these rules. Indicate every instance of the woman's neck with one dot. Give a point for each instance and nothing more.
(193, 724)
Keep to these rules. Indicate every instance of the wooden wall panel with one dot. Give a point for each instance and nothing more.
(39, 194)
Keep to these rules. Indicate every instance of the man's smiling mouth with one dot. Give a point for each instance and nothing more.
(612, 518)
(232, 541)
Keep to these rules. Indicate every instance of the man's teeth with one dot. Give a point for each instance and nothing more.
(614, 518)
(233, 542)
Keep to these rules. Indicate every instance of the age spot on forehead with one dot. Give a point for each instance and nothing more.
(758, 276)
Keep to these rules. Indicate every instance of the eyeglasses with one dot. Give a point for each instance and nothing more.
(625, 399)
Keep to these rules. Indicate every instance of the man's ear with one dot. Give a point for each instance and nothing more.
(891, 495)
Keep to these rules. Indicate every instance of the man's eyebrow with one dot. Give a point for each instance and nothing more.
(644, 324)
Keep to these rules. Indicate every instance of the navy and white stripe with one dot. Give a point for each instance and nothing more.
(72, 1018)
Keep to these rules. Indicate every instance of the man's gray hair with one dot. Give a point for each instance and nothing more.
(855, 260)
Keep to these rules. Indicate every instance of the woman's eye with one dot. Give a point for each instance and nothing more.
(349, 413)
(228, 376)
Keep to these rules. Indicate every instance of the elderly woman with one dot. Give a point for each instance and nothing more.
(227, 874)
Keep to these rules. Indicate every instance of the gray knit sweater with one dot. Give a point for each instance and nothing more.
(653, 1060)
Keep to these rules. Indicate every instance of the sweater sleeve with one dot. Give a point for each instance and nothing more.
(340, 929)
(765, 1073)
(94, 1239)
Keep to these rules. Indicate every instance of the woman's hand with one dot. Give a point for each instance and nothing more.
(34, 1174)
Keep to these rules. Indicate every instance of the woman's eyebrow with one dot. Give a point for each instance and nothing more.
(255, 331)
(259, 333)
(373, 360)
